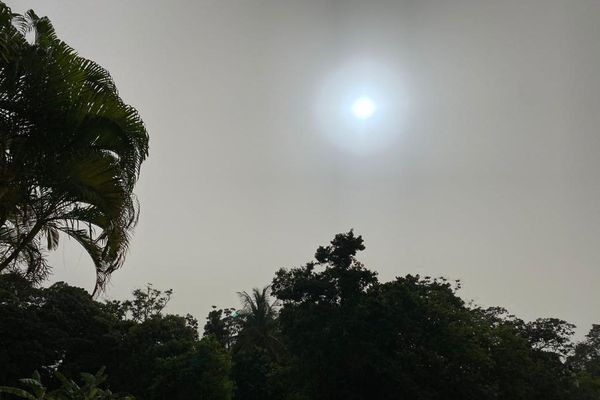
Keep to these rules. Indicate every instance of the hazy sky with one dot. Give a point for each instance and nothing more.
(482, 161)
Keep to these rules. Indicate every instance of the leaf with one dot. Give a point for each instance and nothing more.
(17, 392)
(36, 386)
(52, 237)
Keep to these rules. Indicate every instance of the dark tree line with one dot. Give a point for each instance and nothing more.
(151, 355)
(343, 334)
(325, 330)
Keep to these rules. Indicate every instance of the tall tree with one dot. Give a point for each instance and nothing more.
(326, 322)
(258, 321)
(70, 152)
(350, 336)
(258, 354)
(223, 325)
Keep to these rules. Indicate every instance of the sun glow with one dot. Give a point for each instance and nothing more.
(363, 108)
(361, 105)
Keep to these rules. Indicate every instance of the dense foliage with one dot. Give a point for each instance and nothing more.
(146, 353)
(332, 331)
(70, 152)
(69, 390)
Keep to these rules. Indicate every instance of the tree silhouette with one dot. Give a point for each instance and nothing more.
(70, 154)
(258, 324)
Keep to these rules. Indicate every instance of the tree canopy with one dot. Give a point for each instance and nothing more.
(328, 329)
(70, 152)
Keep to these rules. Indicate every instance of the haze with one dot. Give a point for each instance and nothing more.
(486, 169)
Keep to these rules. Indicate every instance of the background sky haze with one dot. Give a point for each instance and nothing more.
(482, 164)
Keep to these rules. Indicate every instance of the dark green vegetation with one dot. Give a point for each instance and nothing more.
(62, 328)
(71, 153)
(332, 331)
(88, 390)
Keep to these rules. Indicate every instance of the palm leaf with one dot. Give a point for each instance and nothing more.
(17, 392)
(70, 150)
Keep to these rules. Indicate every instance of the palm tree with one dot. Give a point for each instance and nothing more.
(259, 321)
(70, 152)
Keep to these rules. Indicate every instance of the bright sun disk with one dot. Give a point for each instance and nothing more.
(363, 108)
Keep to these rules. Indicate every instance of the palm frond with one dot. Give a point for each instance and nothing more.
(70, 151)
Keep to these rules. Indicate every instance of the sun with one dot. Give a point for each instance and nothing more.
(363, 107)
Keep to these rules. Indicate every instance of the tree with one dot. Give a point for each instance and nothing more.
(259, 375)
(586, 355)
(350, 336)
(62, 328)
(258, 324)
(258, 354)
(147, 303)
(585, 361)
(146, 339)
(550, 335)
(223, 325)
(71, 152)
(24, 337)
(202, 373)
(47, 329)
(144, 347)
(324, 321)
(78, 330)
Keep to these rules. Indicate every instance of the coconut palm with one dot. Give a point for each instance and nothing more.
(259, 321)
(70, 152)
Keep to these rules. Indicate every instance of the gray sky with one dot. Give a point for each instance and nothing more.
(481, 162)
